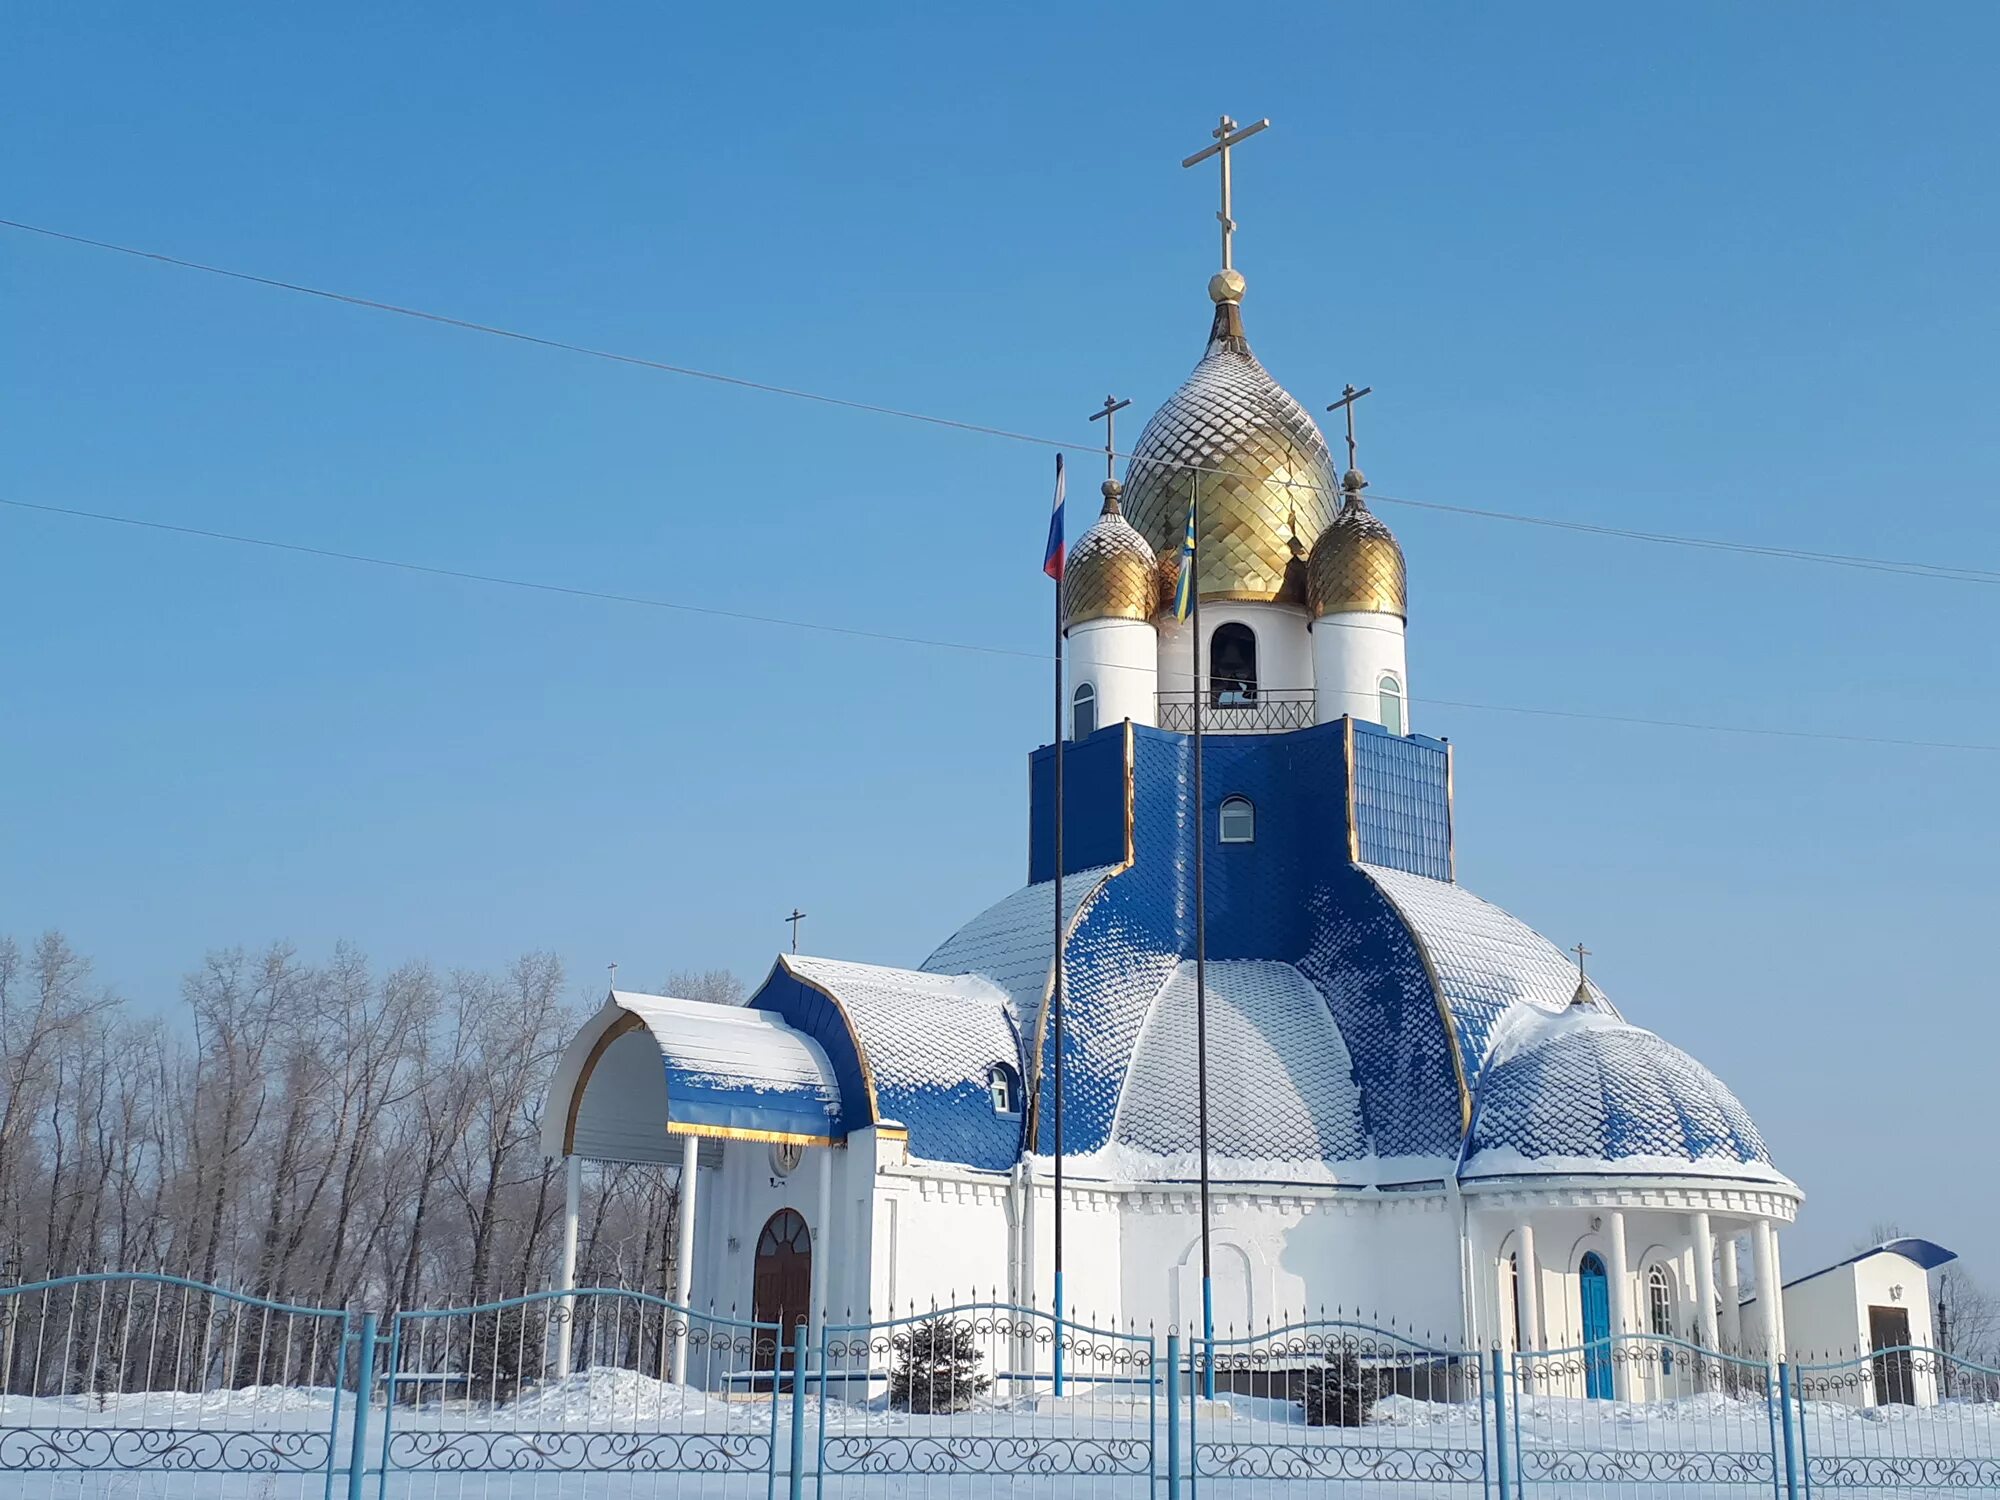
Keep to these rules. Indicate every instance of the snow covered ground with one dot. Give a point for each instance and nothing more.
(615, 1435)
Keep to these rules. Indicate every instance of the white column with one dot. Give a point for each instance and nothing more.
(1528, 1287)
(1732, 1297)
(1704, 1283)
(1778, 1291)
(1618, 1270)
(822, 1244)
(684, 1254)
(1764, 1245)
(566, 1277)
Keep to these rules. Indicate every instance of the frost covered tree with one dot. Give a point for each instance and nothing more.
(1341, 1392)
(937, 1367)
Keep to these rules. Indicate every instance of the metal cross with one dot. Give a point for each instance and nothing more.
(1226, 135)
(795, 918)
(1348, 396)
(1109, 413)
(1581, 953)
(613, 967)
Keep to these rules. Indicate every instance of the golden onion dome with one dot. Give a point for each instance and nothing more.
(1356, 565)
(1266, 478)
(1111, 574)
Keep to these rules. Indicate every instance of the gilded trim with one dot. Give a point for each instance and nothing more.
(1450, 812)
(736, 1133)
(853, 1035)
(629, 1022)
(1444, 1013)
(1353, 820)
(1130, 846)
(891, 1133)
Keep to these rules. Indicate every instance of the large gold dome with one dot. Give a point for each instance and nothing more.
(1356, 565)
(1112, 574)
(1268, 481)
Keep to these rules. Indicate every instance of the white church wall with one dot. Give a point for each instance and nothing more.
(735, 1201)
(1279, 1258)
(1284, 646)
(943, 1239)
(1350, 653)
(1093, 1269)
(1120, 659)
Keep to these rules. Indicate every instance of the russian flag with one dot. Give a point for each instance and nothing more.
(1052, 560)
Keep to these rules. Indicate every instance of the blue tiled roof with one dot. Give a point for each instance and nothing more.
(1351, 974)
(1584, 1090)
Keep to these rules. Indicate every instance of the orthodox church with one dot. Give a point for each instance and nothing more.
(1420, 1108)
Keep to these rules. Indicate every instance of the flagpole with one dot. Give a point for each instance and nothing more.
(1056, 990)
(1054, 564)
(1200, 939)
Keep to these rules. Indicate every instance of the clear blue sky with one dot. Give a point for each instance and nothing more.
(1710, 268)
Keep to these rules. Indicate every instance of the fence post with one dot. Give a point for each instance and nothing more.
(1174, 1416)
(1502, 1464)
(364, 1384)
(1791, 1433)
(798, 1411)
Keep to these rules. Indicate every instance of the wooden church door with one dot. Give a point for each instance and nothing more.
(781, 1288)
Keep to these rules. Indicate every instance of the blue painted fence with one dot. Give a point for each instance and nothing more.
(153, 1385)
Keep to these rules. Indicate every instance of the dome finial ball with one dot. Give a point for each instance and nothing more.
(1226, 286)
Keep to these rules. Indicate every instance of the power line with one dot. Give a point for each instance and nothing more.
(1659, 538)
(647, 601)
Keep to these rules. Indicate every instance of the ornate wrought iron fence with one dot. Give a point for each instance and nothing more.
(598, 1381)
(1897, 1421)
(985, 1393)
(159, 1386)
(1344, 1402)
(1674, 1414)
(130, 1373)
(1226, 712)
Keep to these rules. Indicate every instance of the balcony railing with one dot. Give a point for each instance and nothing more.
(1239, 710)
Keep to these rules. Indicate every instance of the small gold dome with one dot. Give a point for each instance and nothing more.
(1356, 565)
(1112, 574)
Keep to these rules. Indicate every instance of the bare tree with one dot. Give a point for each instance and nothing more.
(299, 1133)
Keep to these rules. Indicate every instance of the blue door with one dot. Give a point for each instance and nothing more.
(1596, 1328)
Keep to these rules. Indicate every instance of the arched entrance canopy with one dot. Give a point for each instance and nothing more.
(646, 1068)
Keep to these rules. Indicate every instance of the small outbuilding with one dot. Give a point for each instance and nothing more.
(1874, 1305)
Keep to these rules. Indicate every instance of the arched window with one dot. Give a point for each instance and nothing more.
(1239, 820)
(1660, 1312)
(1004, 1084)
(1232, 666)
(1083, 712)
(1392, 702)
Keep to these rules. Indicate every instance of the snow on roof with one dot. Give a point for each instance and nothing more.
(1581, 1090)
(1281, 1086)
(929, 1041)
(1927, 1254)
(1487, 961)
(1012, 942)
(733, 1068)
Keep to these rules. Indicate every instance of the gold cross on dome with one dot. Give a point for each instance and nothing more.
(1108, 414)
(1581, 953)
(1227, 134)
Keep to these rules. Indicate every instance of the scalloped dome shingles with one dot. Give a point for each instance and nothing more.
(1585, 1088)
(1274, 484)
